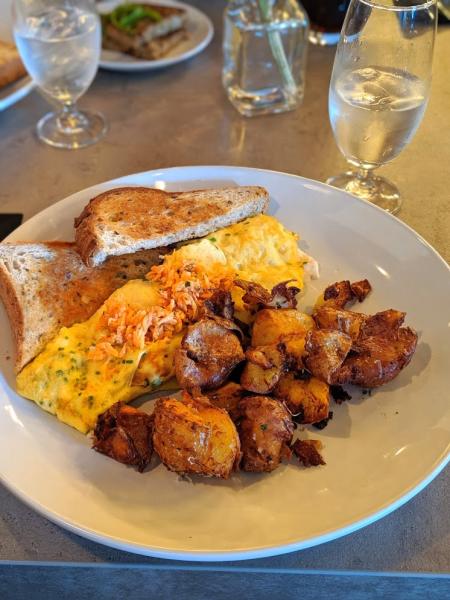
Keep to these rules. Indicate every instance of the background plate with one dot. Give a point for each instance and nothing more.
(199, 28)
(380, 450)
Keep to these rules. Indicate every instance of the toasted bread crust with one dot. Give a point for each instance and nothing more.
(129, 219)
(45, 286)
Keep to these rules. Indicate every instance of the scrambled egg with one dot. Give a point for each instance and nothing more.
(64, 381)
(260, 249)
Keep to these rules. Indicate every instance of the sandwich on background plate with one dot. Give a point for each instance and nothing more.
(147, 31)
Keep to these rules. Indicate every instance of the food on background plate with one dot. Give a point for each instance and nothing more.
(11, 67)
(219, 313)
(129, 219)
(147, 31)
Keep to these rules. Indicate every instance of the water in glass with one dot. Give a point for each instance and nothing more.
(60, 48)
(379, 89)
(264, 58)
(375, 112)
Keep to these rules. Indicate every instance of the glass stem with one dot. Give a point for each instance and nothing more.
(364, 177)
(70, 120)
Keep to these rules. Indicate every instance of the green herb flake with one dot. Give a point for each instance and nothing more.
(212, 239)
(263, 426)
(59, 373)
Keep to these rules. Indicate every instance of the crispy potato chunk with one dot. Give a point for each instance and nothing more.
(264, 367)
(308, 452)
(281, 296)
(378, 359)
(385, 324)
(228, 397)
(208, 353)
(265, 431)
(125, 434)
(274, 325)
(307, 400)
(361, 289)
(326, 351)
(338, 294)
(341, 293)
(191, 436)
(328, 317)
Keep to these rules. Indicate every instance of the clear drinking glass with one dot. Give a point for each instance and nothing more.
(379, 89)
(59, 42)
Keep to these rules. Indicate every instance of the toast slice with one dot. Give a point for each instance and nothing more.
(147, 38)
(128, 219)
(11, 67)
(46, 286)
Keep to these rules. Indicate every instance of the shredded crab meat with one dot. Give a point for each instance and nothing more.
(183, 289)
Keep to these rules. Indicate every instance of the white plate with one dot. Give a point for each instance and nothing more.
(380, 450)
(14, 92)
(200, 32)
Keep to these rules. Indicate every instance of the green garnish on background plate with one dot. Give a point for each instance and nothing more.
(127, 16)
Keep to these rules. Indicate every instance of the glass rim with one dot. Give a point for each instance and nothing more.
(419, 5)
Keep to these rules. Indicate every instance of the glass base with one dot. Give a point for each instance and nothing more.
(71, 130)
(373, 188)
(262, 102)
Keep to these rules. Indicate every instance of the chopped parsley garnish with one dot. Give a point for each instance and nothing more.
(212, 239)
(263, 426)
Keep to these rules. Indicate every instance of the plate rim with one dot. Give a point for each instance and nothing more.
(261, 551)
(137, 66)
(23, 86)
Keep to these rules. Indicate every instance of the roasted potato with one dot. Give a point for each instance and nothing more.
(228, 397)
(341, 293)
(281, 296)
(385, 324)
(326, 351)
(125, 434)
(191, 436)
(361, 289)
(377, 360)
(328, 317)
(308, 452)
(307, 400)
(265, 431)
(264, 367)
(274, 325)
(209, 351)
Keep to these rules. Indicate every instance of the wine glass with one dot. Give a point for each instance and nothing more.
(379, 89)
(59, 42)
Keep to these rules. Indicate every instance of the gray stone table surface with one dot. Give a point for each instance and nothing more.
(180, 116)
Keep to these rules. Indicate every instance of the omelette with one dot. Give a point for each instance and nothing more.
(76, 380)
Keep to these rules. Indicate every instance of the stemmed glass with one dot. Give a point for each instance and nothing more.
(379, 89)
(59, 42)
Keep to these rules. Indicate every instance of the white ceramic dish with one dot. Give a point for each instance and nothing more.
(380, 450)
(199, 29)
(14, 92)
